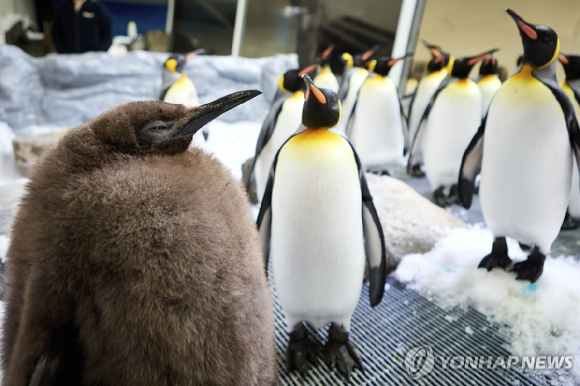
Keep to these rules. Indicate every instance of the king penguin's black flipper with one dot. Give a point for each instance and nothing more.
(265, 134)
(548, 77)
(343, 90)
(375, 248)
(405, 119)
(264, 221)
(470, 167)
(444, 83)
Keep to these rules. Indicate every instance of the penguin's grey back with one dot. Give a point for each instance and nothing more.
(155, 261)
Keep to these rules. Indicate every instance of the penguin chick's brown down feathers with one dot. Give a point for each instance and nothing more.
(135, 262)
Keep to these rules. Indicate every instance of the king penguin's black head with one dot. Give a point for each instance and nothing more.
(383, 65)
(324, 59)
(176, 62)
(571, 64)
(157, 127)
(292, 81)
(321, 106)
(358, 60)
(541, 44)
(462, 67)
(439, 58)
(489, 66)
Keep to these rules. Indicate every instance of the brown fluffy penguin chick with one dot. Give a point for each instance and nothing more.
(134, 262)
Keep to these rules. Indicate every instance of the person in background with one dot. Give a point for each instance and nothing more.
(81, 26)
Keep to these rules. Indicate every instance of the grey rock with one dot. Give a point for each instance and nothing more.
(411, 223)
(27, 150)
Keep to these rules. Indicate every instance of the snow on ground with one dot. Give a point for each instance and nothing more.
(8, 172)
(540, 319)
(233, 143)
(4, 241)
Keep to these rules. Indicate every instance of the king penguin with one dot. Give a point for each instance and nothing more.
(449, 122)
(317, 222)
(284, 120)
(178, 88)
(571, 86)
(354, 76)
(325, 77)
(524, 148)
(377, 129)
(438, 69)
(488, 82)
(134, 261)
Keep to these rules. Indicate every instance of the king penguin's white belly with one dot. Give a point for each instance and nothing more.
(574, 205)
(427, 87)
(527, 163)
(488, 86)
(452, 123)
(287, 124)
(326, 79)
(377, 127)
(355, 82)
(183, 92)
(317, 245)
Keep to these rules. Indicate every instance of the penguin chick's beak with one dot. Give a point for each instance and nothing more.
(313, 89)
(524, 27)
(563, 59)
(206, 113)
(477, 58)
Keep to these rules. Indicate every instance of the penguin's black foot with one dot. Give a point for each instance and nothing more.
(379, 171)
(498, 256)
(453, 197)
(439, 197)
(301, 351)
(532, 268)
(340, 353)
(416, 172)
(570, 223)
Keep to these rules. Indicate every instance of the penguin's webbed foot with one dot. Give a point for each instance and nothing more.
(378, 171)
(498, 256)
(439, 197)
(416, 171)
(570, 223)
(301, 352)
(340, 353)
(453, 197)
(532, 268)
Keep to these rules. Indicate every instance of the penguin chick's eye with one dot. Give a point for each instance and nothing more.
(155, 132)
(156, 125)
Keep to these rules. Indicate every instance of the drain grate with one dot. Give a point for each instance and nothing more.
(402, 321)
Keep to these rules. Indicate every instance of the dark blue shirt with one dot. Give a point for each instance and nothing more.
(89, 29)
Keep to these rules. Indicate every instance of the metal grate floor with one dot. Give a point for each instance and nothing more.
(402, 321)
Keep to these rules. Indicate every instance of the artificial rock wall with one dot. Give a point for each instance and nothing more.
(67, 90)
